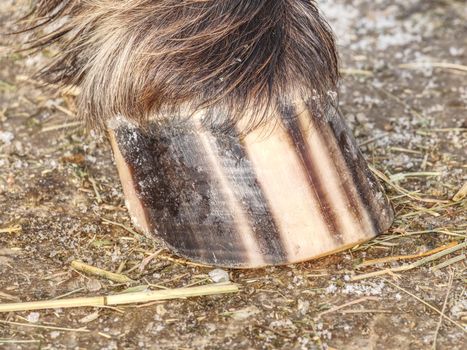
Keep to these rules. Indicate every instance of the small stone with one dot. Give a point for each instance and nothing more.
(219, 275)
(303, 306)
(6, 137)
(244, 313)
(161, 310)
(33, 317)
(54, 334)
(93, 285)
(89, 318)
(331, 289)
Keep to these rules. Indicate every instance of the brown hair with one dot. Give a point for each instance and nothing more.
(146, 59)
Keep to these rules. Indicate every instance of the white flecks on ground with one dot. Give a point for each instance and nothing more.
(282, 324)
(460, 308)
(303, 306)
(322, 332)
(360, 289)
(341, 16)
(358, 32)
(370, 288)
(332, 288)
(6, 137)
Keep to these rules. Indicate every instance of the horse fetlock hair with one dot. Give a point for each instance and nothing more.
(233, 60)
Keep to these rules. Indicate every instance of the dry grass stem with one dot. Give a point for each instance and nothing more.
(336, 308)
(82, 330)
(181, 261)
(440, 322)
(141, 266)
(449, 262)
(122, 299)
(366, 311)
(404, 150)
(61, 126)
(115, 277)
(444, 65)
(64, 110)
(400, 101)
(18, 341)
(399, 189)
(433, 209)
(457, 324)
(134, 233)
(461, 194)
(353, 71)
(104, 335)
(402, 176)
(414, 265)
(405, 257)
(6, 296)
(11, 229)
(96, 190)
(69, 293)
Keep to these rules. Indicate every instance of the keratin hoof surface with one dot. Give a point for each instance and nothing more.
(300, 191)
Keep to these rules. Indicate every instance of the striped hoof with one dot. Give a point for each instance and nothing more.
(280, 195)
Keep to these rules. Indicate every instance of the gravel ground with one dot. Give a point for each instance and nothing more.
(404, 94)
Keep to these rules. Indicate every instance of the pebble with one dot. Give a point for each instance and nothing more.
(33, 317)
(6, 137)
(219, 275)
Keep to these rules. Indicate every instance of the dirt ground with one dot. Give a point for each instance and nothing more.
(403, 92)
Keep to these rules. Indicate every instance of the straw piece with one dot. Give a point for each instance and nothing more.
(82, 330)
(461, 194)
(441, 319)
(104, 335)
(433, 209)
(445, 65)
(61, 126)
(400, 101)
(106, 221)
(96, 190)
(402, 176)
(65, 110)
(19, 341)
(7, 296)
(457, 324)
(181, 261)
(120, 299)
(350, 303)
(413, 265)
(405, 150)
(399, 189)
(167, 294)
(115, 277)
(354, 71)
(10, 229)
(367, 311)
(405, 257)
(448, 262)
